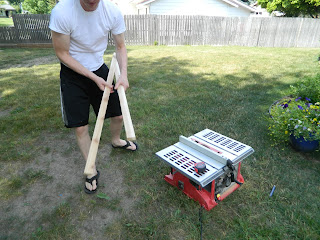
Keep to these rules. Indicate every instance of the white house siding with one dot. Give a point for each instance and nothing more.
(126, 6)
(196, 7)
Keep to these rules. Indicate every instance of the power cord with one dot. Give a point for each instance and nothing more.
(200, 220)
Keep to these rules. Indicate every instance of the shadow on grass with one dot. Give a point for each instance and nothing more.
(184, 102)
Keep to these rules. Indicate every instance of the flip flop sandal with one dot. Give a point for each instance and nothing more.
(90, 180)
(126, 146)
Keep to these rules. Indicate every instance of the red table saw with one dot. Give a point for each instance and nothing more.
(222, 157)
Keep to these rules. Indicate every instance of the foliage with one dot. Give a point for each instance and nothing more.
(17, 7)
(298, 117)
(38, 6)
(248, 1)
(308, 87)
(293, 8)
(16, 2)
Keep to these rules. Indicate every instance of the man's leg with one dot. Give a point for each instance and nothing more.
(84, 141)
(116, 124)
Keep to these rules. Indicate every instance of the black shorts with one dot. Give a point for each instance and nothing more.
(79, 92)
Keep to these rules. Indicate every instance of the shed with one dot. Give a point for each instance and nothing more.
(6, 10)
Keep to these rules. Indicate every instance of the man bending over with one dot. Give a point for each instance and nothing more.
(80, 31)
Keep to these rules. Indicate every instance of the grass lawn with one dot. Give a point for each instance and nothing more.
(173, 91)
(6, 22)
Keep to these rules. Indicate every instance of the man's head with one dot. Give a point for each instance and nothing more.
(89, 5)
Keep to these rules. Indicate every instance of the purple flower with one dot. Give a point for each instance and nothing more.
(308, 99)
(308, 104)
(285, 106)
(301, 108)
(297, 98)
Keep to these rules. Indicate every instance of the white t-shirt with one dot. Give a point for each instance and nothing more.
(88, 30)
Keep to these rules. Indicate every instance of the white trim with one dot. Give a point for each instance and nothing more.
(139, 5)
(231, 3)
(241, 4)
(63, 112)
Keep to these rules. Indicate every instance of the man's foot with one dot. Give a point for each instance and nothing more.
(131, 146)
(91, 184)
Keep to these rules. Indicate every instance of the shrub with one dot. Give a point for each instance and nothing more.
(308, 87)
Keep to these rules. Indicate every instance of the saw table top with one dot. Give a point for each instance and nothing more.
(208, 146)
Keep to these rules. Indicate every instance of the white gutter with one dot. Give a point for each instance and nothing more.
(237, 4)
(231, 3)
(144, 3)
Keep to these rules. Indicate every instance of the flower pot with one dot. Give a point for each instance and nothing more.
(303, 145)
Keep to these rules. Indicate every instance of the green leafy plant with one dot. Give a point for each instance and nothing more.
(103, 196)
(298, 117)
(308, 87)
(38, 6)
(292, 8)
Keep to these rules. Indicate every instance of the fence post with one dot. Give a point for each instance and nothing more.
(259, 32)
(156, 24)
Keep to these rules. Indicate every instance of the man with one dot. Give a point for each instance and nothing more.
(80, 31)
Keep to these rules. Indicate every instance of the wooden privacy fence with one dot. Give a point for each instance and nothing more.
(186, 30)
(204, 30)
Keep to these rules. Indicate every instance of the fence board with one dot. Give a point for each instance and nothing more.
(185, 30)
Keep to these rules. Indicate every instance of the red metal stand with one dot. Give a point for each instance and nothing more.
(205, 196)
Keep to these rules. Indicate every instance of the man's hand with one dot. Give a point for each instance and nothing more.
(102, 84)
(123, 81)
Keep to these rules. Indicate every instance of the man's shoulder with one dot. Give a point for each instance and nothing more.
(64, 6)
(110, 5)
(61, 17)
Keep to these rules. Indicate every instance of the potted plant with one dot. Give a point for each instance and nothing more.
(296, 120)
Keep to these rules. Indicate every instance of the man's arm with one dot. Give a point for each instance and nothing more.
(122, 58)
(61, 44)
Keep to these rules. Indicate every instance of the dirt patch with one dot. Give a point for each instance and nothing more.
(4, 113)
(62, 166)
(33, 62)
